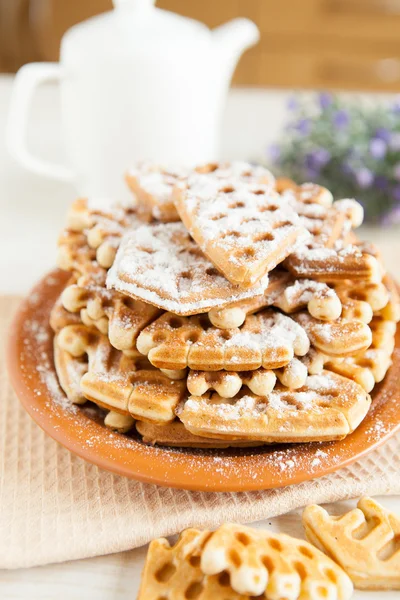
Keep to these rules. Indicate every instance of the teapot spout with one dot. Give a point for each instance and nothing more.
(232, 39)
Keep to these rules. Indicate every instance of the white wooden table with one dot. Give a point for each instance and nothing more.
(31, 214)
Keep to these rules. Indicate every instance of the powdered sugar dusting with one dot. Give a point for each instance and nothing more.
(163, 266)
(157, 180)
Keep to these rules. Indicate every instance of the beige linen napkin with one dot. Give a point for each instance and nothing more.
(56, 507)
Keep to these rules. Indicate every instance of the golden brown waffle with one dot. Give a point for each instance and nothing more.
(161, 265)
(76, 256)
(279, 565)
(234, 314)
(360, 300)
(70, 370)
(228, 383)
(245, 228)
(336, 338)
(321, 300)
(314, 261)
(308, 193)
(60, 317)
(238, 169)
(113, 380)
(351, 300)
(152, 186)
(391, 312)
(261, 381)
(121, 317)
(328, 407)
(364, 542)
(103, 223)
(268, 339)
(175, 435)
(369, 367)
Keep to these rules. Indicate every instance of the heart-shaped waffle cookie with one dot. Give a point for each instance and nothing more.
(234, 560)
(113, 381)
(162, 265)
(152, 186)
(268, 339)
(364, 542)
(327, 407)
(245, 228)
(277, 565)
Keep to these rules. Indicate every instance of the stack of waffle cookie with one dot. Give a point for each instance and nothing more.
(222, 307)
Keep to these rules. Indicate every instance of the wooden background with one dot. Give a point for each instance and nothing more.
(338, 44)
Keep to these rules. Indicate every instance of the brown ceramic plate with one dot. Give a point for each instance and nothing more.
(30, 359)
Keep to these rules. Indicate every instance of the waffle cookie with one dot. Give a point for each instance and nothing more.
(121, 317)
(371, 366)
(75, 255)
(113, 380)
(314, 261)
(364, 542)
(245, 229)
(327, 407)
(234, 314)
(175, 434)
(152, 186)
(260, 381)
(162, 265)
(238, 563)
(268, 339)
(103, 223)
(259, 318)
(336, 338)
(60, 317)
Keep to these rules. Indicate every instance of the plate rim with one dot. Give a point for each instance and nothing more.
(175, 468)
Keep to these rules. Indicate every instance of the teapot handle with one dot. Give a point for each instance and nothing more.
(28, 78)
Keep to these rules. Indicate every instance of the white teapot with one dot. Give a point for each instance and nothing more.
(136, 83)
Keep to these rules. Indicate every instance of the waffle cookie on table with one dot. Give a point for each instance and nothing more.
(257, 318)
(236, 562)
(364, 542)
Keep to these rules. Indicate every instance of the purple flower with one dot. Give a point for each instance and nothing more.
(396, 193)
(384, 134)
(381, 182)
(396, 171)
(341, 118)
(364, 177)
(274, 152)
(318, 158)
(325, 100)
(303, 126)
(377, 148)
(293, 103)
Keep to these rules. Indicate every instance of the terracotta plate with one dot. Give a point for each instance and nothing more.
(30, 358)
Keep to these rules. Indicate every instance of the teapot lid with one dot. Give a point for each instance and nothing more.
(134, 22)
